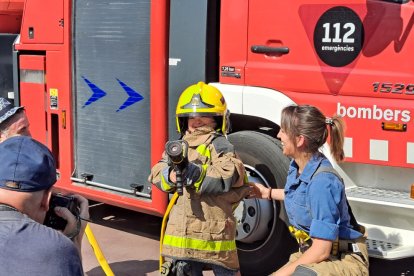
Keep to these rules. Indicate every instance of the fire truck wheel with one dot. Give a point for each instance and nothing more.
(263, 240)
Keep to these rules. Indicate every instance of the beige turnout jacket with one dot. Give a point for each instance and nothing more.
(201, 225)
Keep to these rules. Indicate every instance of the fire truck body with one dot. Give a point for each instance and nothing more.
(100, 81)
(299, 51)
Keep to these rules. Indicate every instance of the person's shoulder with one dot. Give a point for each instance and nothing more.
(222, 144)
(57, 247)
(48, 245)
(324, 160)
(326, 180)
(50, 238)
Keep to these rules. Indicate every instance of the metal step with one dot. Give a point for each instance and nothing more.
(380, 196)
(388, 218)
(388, 250)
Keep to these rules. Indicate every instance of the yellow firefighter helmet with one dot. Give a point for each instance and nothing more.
(201, 100)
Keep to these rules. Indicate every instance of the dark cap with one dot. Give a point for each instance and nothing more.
(26, 165)
(7, 109)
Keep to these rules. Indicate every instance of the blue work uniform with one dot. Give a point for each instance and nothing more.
(318, 204)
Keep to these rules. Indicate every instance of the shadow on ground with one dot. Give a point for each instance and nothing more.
(126, 220)
(127, 268)
(402, 267)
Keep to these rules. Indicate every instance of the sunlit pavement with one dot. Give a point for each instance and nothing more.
(128, 240)
(130, 243)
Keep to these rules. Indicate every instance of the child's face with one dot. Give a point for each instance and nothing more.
(199, 121)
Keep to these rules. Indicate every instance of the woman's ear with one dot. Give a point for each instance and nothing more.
(300, 141)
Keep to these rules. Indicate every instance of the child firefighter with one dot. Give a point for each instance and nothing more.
(201, 227)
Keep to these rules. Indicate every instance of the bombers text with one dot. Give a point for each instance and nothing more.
(374, 113)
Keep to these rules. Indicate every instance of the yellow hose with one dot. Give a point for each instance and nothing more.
(98, 252)
(164, 224)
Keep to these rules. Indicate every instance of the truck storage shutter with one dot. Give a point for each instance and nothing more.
(111, 59)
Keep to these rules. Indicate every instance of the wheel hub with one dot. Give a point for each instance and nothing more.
(253, 216)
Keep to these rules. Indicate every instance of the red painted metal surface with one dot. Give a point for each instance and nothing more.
(54, 40)
(300, 74)
(233, 40)
(303, 76)
(302, 65)
(159, 87)
(33, 96)
(58, 81)
(11, 16)
(41, 27)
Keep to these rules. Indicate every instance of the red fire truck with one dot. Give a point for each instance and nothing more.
(100, 79)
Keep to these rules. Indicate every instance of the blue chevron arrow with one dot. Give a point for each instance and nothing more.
(97, 93)
(133, 96)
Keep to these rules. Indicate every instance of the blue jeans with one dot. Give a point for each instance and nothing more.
(197, 269)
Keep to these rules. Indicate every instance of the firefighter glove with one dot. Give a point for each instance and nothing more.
(191, 174)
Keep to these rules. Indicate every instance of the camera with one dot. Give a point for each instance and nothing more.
(53, 220)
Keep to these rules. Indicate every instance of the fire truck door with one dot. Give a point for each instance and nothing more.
(280, 52)
(326, 48)
(33, 94)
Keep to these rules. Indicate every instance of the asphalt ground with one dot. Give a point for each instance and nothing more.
(130, 243)
(128, 240)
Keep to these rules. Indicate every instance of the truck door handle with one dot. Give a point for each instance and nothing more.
(260, 49)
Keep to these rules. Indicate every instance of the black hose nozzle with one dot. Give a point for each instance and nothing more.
(177, 153)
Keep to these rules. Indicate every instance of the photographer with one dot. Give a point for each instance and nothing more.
(27, 174)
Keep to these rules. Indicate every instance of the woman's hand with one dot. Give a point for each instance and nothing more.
(258, 190)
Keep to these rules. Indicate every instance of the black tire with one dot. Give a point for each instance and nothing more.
(263, 156)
